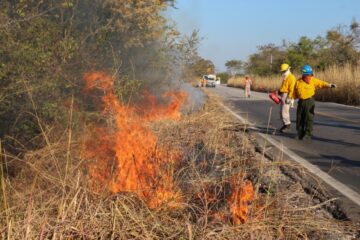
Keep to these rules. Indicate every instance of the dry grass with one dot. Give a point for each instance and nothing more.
(49, 197)
(347, 79)
(261, 84)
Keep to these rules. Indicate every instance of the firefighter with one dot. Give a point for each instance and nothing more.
(305, 88)
(247, 89)
(286, 93)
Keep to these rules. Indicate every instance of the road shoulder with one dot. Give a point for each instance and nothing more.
(314, 180)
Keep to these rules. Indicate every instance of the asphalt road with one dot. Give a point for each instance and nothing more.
(335, 147)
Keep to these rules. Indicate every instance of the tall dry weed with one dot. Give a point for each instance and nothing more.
(50, 198)
(347, 79)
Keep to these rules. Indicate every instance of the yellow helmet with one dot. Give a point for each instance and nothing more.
(284, 67)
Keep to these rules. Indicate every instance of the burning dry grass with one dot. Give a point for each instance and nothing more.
(125, 157)
(229, 192)
(347, 79)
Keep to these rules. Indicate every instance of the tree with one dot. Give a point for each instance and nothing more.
(202, 67)
(46, 46)
(266, 61)
(188, 58)
(355, 32)
(224, 77)
(234, 66)
(340, 46)
(301, 53)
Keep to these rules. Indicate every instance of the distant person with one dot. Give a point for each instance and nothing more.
(203, 81)
(247, 88)
(286, 92)
(305, 88)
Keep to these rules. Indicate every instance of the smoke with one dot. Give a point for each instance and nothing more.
(185, 16)
(196, 98)
(154, 65)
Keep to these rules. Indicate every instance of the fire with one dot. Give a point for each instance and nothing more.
(126, 156)
(239, 200)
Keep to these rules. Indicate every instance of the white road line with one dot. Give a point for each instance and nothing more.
(343, 105)
(340, 187)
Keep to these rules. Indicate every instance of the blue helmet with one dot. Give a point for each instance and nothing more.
(306, 70)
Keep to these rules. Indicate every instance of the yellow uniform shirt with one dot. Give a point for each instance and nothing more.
(288, 85)
(305, 90)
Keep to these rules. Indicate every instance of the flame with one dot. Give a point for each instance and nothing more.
(239, 200)
(126, 157)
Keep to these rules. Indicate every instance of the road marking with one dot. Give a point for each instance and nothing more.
(336, 117)
(343, 105)
(340, 187)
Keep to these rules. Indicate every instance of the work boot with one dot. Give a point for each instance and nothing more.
(285, 128)
(300, 136)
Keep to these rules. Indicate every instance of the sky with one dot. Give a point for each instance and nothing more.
(232, 29)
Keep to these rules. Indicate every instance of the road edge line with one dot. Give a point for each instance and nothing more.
(332, 182)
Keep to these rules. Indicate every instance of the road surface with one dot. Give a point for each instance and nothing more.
(335, 147)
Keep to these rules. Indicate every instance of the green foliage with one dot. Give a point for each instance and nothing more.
(30, 54)
(202, 67)
(340, 46)
(46, 47)
(224, 77)
(234, 66)
(266, 61)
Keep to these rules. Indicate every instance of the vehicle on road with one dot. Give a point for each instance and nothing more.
(210, 80)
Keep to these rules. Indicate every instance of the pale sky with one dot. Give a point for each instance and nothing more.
(232, 29)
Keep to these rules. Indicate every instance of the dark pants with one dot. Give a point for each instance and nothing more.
(305, 117)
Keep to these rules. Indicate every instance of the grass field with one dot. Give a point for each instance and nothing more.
(49, 195)
(347, 79)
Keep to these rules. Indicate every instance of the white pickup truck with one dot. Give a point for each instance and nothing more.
(210, 80)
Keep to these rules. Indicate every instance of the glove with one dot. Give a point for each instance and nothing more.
(332, 85)
(292, 101)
